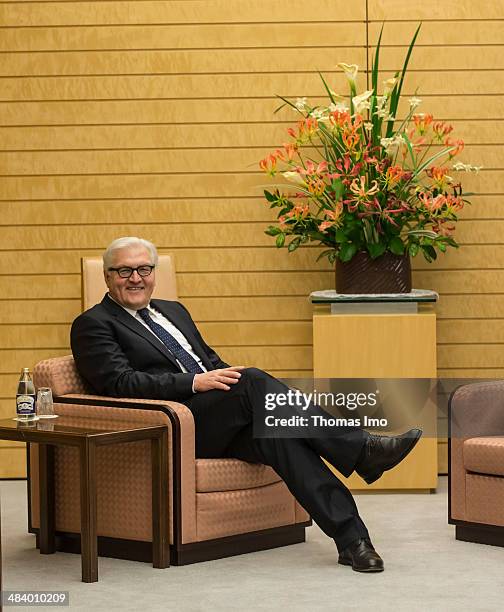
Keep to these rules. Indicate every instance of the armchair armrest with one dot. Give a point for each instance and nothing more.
(475, 410)
(181, 458)
(179, 413)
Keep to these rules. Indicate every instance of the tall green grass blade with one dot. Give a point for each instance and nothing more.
(376, 63)
(286, 102)
(396, 93)
(329, 92)
(374, 83)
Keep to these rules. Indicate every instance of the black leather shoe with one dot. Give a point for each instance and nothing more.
(362, 556)
(382, 453)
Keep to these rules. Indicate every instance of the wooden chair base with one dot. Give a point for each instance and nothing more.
(186, 554)
(480, 534)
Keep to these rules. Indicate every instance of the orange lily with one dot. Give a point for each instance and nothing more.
(422, 122)
(350, 139)
(290, 150)
(393, 175)
(440, 129)
(268, 164)
(358, 188)
(299, 212)
(458, 144)
(334, 217)
(439, 175)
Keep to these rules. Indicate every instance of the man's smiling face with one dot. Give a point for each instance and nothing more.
(133, 292)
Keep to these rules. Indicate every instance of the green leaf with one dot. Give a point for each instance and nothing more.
(333, 255)
(405, 66)
(294, 245)
(429, 252)
(376, 121)
(426, 233)
(375, 250)
(280, 241)
(396, 246)
(451, 241)
(442, 247)
(338, 188)
(410, 150)
(329, 93)
(397, 92)
(272, 230)
(340, 236)
(347, 251)
(353, 93)
(324, 254)
(413, 249)
(430, 160)
(313, 235)
(288, 102)
(376, 62)
(270, 196)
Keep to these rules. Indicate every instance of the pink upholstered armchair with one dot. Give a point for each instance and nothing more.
(218, 507)
(476, 463)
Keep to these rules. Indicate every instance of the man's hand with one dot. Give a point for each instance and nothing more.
(217, 379)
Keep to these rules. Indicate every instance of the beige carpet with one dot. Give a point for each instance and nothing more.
(426, 568)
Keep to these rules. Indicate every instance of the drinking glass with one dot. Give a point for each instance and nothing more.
(45, 407)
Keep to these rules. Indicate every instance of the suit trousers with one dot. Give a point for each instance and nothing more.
(224, 428)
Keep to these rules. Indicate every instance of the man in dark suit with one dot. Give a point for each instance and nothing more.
(130, 346)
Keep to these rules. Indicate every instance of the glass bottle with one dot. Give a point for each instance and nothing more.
(26, 398)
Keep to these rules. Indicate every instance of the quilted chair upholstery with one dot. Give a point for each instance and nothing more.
(476, 462)
(218, 507)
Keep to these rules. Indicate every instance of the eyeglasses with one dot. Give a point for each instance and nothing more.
(127, 272)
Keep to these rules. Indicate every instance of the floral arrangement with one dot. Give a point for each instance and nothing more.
(357, 178)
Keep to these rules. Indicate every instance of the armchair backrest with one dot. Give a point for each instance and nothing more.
(60, 374)
(94, 287)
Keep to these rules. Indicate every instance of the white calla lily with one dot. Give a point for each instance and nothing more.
(362, 101)
(294, 177)
(350, 71)
(389, 85)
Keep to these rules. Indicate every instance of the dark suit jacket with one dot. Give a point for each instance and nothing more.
(119, 357)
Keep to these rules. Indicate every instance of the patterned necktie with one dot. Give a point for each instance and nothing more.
(189, 363)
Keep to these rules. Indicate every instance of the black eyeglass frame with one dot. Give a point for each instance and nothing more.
(137, 270)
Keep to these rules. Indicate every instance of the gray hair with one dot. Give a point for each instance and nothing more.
(124, 243)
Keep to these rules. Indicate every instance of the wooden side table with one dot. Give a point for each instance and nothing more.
(87, 434)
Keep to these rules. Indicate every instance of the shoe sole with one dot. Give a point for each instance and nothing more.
(367, 570)
(374, 478)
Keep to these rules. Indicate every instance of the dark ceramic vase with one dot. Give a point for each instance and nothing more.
(388, 273)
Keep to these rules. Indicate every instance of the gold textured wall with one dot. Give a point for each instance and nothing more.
(148, 118)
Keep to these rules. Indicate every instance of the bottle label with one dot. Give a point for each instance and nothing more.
(25, 404)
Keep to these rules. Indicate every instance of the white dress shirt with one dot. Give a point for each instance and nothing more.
(160, 319)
